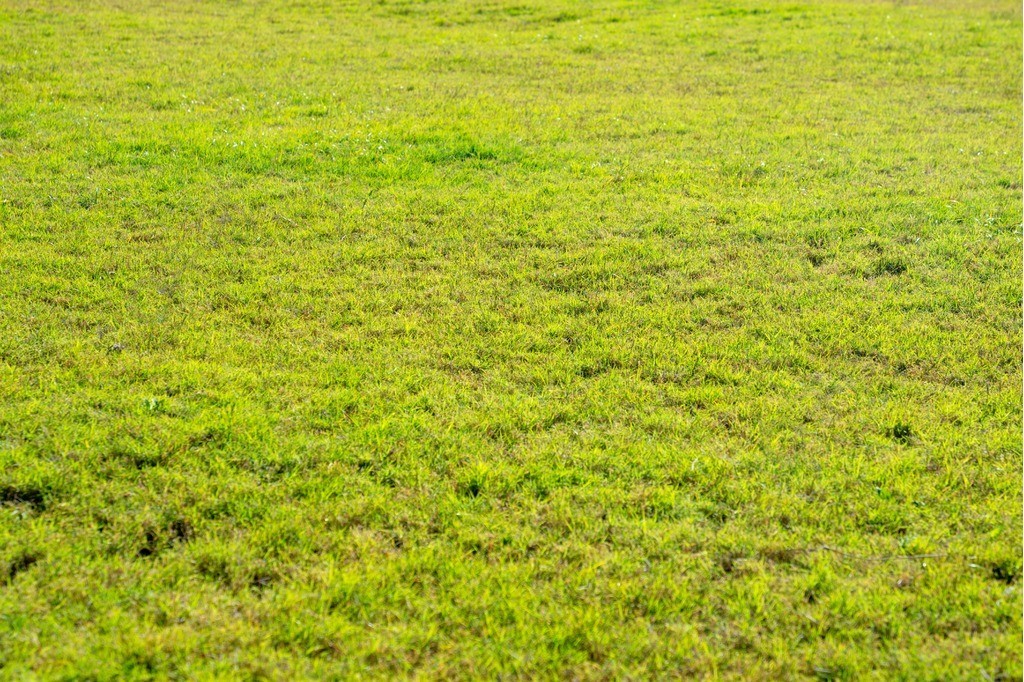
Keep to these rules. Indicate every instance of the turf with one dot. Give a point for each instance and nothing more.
(510, 339)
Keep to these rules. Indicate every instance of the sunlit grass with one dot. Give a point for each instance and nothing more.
(524, 339)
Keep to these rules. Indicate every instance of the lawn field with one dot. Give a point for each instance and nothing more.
(510, 339)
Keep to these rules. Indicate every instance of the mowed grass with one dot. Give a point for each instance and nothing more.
(510, 339)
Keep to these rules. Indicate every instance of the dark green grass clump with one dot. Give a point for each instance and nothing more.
(510, 339)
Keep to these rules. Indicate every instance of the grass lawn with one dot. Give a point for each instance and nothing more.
(510, 338)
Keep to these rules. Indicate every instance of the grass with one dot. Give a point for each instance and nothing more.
(510, 339)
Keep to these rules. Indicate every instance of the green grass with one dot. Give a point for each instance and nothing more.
(510, 338)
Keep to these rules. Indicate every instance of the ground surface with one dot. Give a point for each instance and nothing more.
(529, 338)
